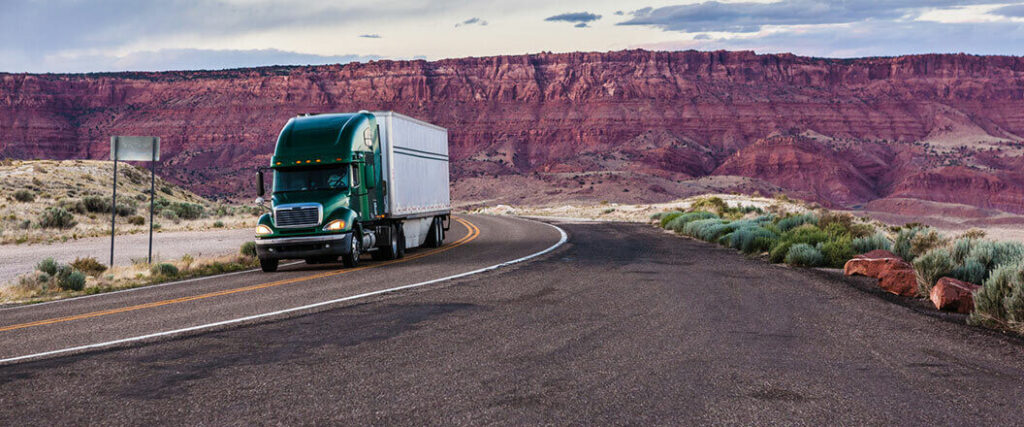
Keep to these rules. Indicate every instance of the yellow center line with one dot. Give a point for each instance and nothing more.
(474, 232)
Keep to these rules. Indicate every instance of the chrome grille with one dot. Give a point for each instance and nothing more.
(297, 216)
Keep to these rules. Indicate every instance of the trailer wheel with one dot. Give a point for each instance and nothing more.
(401, 241)
(434, 236)
(352, 258)
(268, 265)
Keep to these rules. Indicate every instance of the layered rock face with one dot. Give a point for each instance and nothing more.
(843, 132)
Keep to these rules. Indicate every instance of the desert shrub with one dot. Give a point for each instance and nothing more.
(186, 210)
(914, 240)
(710, 204)
(56, 217)
(218, 224)
(187, 260)
(829, 218)
(677, 223)
(961, 249)
(746, 239)
(838, 251)
(668, 217)
(164, 269)
(125, 210)
(993, 254)
(74, 206)
(48, 266)
(73, 281)
(88, 265)
(96, 204)
(869, 243)
(807, 233)
(24, 196)
(862, 230)
(790, 222)
(973, 233)
(930, 267)
(708, 230)
(835, 230)
(990, 308)
(136, 220)
(170, 215)
(970, 271)
(248, 249)
(804, 255)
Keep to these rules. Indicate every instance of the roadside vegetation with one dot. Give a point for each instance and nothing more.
(46, 201)
(53, 280)
(821, 238)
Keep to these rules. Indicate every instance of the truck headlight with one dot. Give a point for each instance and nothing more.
(336, 225)
(262, 230)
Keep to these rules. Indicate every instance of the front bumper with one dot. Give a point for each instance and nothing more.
(304, 246)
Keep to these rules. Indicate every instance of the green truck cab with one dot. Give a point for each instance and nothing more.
(334, 190)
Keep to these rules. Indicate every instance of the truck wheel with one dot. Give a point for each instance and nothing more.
(351, 259)
(268, 265)
(391, 250)
(434, 235)
(401, 242)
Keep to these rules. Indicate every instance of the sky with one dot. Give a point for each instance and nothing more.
(72, 36)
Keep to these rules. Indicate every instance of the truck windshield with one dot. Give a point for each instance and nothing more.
(332, 177)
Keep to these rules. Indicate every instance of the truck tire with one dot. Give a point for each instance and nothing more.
(351, 259)
(268, 265)
(434, 236)
(401, 242)
(391, 251)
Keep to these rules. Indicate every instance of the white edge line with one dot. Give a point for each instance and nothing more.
(561, 241)
(138, 288)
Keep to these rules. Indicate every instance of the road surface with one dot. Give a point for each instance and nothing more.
(20, 259)
(624, 324)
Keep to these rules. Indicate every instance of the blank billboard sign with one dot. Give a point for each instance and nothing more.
(135, 148)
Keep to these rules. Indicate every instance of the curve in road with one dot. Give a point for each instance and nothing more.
(471, 233)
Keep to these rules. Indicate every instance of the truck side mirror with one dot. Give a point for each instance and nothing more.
(259, 184)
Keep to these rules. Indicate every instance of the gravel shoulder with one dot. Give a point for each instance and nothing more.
(18, 259)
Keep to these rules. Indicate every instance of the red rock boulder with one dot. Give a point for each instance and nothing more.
(954, 295)
(893, 273)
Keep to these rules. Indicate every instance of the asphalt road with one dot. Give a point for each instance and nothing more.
(623, 325)
(20, 259)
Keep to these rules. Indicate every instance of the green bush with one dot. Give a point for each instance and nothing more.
(164, 269)
(807, 233)
(56, 217)
(89, 265)
(218, 224)
(961, 249)
(248, 249)
(804, 255)
(711, 204)
(73, 281)
(990, 302)
(970, 271)
(790, 222)
(750, 240)
(931, 267)
(24, 196)
(187, 210)
(680, 221)
(170, 215)
(96, 204)
(838, 251)
(912, 242)
(841, 220)
(862, 245)
(74, 206)
(669, 216)
(136, 220)
(48, 266)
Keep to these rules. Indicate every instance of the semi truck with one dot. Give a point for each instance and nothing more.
(346, 184)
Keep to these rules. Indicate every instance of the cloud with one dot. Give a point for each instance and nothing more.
(576, 17)
(472, 21)
(181, 59)
(1011, 11)
(872, 38)
(747, 17)
(370, 36)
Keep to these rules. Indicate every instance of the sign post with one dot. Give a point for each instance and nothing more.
(134, 148)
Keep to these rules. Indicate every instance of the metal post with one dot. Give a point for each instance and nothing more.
(113, 211)
(152, 195)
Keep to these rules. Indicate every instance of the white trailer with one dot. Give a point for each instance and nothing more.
(415, 168)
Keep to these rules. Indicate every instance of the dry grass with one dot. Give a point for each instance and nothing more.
(28, 288)
(53, 183)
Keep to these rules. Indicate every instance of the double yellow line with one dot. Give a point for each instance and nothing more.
(473, 233)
